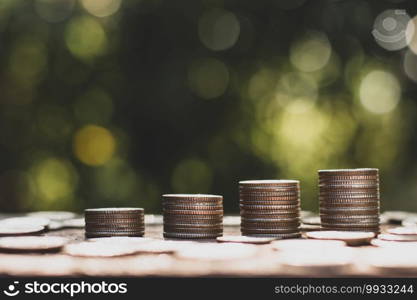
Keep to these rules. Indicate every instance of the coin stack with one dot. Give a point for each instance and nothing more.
(192, 216)
(349, 199)
(270, 208)
(105, 222)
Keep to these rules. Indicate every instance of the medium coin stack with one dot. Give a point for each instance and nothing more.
(192, 216)
(349, 199)
(270, 208)
(105, 222)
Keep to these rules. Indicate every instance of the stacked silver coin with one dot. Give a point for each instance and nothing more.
(349, 199)
(105, 222)
(270, 208)
(192, 216)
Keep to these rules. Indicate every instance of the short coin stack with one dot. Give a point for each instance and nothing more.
(349, 199)
(192, 216)
(105, 222)
(270, 208)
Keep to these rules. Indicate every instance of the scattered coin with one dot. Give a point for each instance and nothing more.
(74, 223)
(221, 251)
(98, 249)
(410, 222)
(244, 239)
(23, 221)
(231, 221)
(315, 220)
(383, 243)
(154, 220)
(403, 231)
(31, 243)
(20, 229)
(53, 215)
(303, 244)
(331, 259)
(397, 237)
(350, 238)
(396, 217)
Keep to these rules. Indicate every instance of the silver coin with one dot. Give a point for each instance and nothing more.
(53, 215)
(32, 243)
(244, 239)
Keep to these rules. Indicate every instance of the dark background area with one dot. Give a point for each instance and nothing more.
(113, 103)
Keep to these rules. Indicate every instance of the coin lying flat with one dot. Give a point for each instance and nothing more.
(320, 259)
(53, 215)
(221, 251)
(350, 238)
(244, 239)
(74, 223)
(10, 229)
(303, 244)
(97, 249)
(396, 217)
(31, 243)
(410, 222)
(384, 243)
(311, 220)
(403, 231)
(397, 237)
(23, 221)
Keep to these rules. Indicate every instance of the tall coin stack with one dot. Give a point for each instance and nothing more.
(349, 199)
(270, 208)
(192, 216)
(105, 222)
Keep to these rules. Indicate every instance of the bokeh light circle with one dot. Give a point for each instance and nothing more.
(392, 28)
(208, 78)
(94, 145)
(410, 65)
(101, 8)
(218, 29)
(311, 52)
(85, 38)
(379, 92)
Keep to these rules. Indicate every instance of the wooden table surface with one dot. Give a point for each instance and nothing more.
(267, 263)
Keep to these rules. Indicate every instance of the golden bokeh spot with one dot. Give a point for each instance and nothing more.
(55, 179)
(94, 145)
(101, 8)
(379, 92)
(85, 38)
(311, 52)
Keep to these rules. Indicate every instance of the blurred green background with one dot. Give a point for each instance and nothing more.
(113, 103)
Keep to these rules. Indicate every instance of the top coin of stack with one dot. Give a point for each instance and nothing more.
(270, 208)
(192, 216)
(104, 222)
(349, 199)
